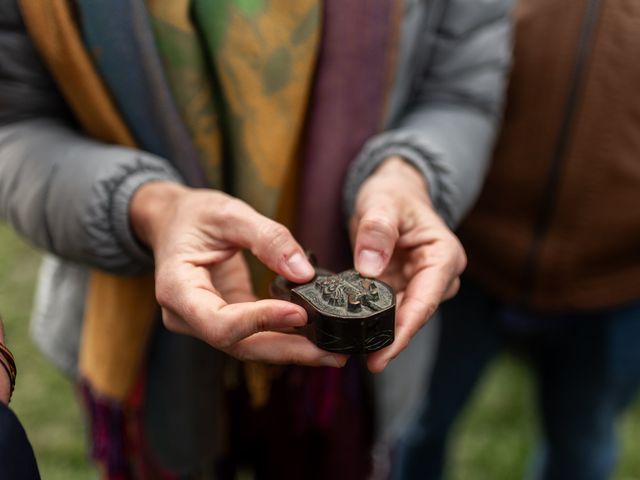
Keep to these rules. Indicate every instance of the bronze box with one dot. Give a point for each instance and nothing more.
(346, 312)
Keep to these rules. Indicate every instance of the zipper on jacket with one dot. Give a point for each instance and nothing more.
(550, 196)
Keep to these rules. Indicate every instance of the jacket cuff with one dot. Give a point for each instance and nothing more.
(407, 145)
(119, 212)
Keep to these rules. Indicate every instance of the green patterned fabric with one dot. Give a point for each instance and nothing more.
(241, 73)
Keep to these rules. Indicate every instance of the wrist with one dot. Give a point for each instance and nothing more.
(149, 206)
(407, 175)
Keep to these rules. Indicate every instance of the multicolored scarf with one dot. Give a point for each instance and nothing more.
(250, 96)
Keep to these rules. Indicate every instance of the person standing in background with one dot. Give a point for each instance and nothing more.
(553, 244)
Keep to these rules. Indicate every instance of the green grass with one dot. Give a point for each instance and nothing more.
(44, 399)
(495, 435)
(498, 431)
(492, 441)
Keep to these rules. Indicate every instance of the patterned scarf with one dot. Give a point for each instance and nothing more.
(222, 89)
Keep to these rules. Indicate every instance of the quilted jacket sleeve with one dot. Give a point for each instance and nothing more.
(447, 125)
(65, 193)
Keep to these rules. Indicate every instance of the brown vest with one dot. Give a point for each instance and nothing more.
(557, 226)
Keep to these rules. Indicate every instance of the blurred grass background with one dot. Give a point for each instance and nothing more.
(44, 399)
(492, 442)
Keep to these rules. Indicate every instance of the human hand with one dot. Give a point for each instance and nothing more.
(399, 238)
(202, 280)
(5, 382)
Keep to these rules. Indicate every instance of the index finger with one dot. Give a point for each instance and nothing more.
(420, 301)
(272, 243)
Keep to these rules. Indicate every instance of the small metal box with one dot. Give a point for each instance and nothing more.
(347, 313)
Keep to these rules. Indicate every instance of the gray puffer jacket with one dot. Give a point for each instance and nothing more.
(69, 194)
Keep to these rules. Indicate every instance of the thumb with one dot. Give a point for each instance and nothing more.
(240, 320)
(375, 239)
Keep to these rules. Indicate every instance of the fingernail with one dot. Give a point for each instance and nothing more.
(333, 361)
(295, 319)
(370, 263)
(300, 266)
(377, 367)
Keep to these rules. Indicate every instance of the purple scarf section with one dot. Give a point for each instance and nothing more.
(347, 107)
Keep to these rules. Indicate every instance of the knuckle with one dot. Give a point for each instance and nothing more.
(458, 255)
(188, 309)
(260, 323)
(164, 294)
(378, 224)
(273, 237)
(261, 316)
(227, 210)
(170, 321)
(218, 335)
(457, 258)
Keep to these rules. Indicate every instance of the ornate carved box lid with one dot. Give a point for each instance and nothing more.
(347, 313)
